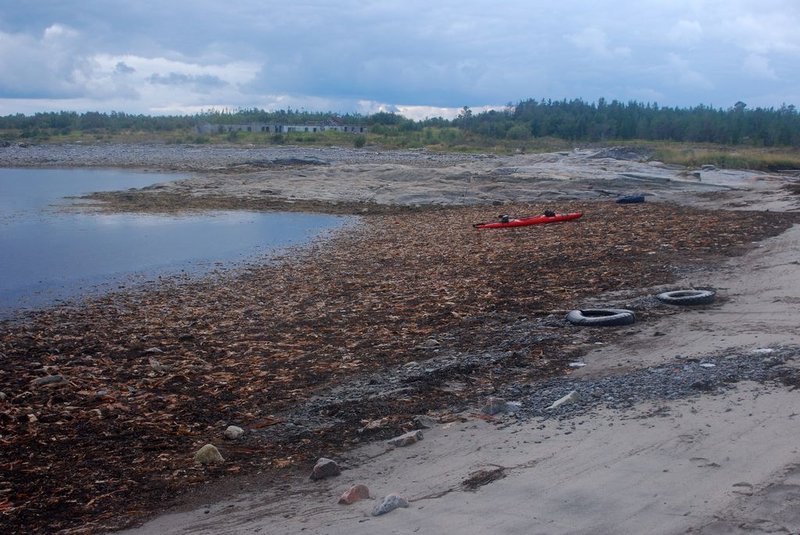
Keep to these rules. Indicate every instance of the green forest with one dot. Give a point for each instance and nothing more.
(569, 120)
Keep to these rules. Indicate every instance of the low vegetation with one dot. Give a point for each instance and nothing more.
(757, 158)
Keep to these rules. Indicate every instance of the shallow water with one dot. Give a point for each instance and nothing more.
(48, 254)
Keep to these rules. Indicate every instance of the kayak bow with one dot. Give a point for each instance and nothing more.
(535, 220)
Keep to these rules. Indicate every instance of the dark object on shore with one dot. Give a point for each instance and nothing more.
(483, 477)
(325, 468)
(597, 317)
(535, 220)
(688, 297)
(295, 161)
(630, 199)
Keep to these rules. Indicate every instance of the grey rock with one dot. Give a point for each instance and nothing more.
(422, 422)
(389, 503)
(233, 432)
(50, 380)
(325, 468)
(208, 454)
(406, 439)
(156, 365)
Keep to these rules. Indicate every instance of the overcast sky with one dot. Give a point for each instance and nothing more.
(420, 58)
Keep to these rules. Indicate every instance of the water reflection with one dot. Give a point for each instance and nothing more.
(51, 254)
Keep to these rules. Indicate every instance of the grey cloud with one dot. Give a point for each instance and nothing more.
(196, 80)
(416, 52)
(123, 68)
(38, 66)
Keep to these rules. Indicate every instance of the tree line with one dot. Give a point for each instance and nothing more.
(576, 120)
(573, 120)
(116, 121)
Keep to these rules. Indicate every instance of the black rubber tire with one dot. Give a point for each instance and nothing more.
(688, 297)
(601, 317)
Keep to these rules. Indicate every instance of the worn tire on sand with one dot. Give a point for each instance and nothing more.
(596, 317)
(687, 297)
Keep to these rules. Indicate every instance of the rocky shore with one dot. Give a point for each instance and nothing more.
(359, 181)
(348, 342)
(213, 157)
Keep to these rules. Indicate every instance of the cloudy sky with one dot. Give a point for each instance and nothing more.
(418, 57)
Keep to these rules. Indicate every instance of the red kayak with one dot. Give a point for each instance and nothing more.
(535, 220)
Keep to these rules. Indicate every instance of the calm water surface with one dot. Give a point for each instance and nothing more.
(47, 254)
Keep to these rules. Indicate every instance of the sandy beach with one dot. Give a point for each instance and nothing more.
(683, 422)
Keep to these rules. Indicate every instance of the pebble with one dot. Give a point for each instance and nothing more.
(354, 494)
(420, 421)
(208, 454)
(389, 503)
(325, 468)
(406, 439)
(233, 432)
(679, 379)
(156, 365)
(50, 380)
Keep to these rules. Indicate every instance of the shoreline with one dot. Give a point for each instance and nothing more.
(415, 286)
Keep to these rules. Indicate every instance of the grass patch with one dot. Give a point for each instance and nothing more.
(755, 158)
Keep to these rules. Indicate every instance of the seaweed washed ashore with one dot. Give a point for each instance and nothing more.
(103, 404)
